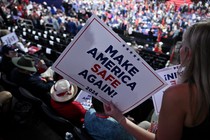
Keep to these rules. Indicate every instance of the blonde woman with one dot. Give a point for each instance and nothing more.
(185, 112)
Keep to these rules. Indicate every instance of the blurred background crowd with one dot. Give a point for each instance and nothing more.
(44, 29)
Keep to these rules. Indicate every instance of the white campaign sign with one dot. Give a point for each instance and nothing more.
(9, 39)
(170, 75)
(102, 64)
(85, 99)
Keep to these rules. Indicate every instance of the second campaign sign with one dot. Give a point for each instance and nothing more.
(101, 63)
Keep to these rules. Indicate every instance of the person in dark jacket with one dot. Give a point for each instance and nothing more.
(25, 75)
(6, 65)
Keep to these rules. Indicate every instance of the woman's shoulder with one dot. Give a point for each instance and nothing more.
(177, 93)
(181, 88)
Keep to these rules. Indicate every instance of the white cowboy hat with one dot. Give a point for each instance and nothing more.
(63, 91)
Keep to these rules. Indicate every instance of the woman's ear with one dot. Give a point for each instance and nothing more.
(185, 54)
(189, 53)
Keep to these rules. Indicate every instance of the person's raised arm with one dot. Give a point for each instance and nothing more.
(171, 118)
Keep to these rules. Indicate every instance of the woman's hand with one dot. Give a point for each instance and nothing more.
(111, 110)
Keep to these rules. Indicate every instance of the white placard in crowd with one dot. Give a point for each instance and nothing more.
(85, 99)
(170, 75)
(10, 39)
(102, 64)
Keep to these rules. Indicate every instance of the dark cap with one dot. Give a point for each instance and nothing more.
(5, 49)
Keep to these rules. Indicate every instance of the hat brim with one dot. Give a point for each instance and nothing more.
(67, 97)
(15, 60)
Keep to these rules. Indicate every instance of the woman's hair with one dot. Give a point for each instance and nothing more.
(197, 67)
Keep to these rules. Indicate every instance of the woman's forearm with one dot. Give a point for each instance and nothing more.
(138, 132)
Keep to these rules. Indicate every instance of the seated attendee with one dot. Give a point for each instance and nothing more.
(63, 94)
(25, 75)
(6, 65)
(48, 73)
(150, 125)
(103, 127)
(157, 48)
(23, 48)
(5, 101)
(41, 66)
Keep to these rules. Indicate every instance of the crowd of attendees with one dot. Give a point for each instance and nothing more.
(152, 23)
(161, 19)
(150, 18)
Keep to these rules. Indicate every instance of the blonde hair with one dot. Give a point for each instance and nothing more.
(197, 68)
